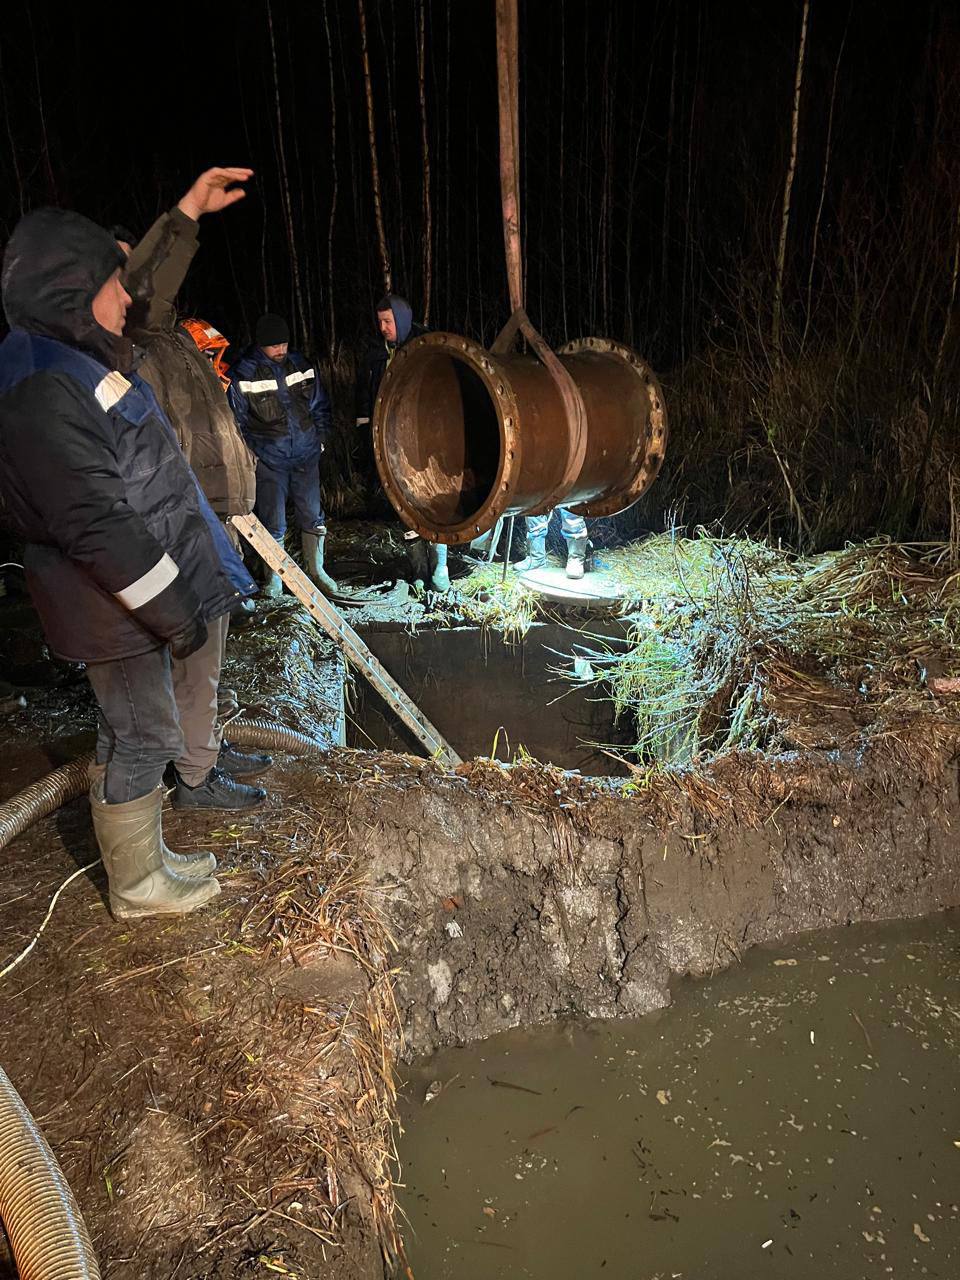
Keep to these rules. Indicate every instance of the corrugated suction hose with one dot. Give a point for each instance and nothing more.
(41, 1217)
(68, 782)
(37, 1207)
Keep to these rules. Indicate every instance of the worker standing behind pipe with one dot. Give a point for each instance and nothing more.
(574, 530)
(397, 326)
(194, 400)
(125, 561)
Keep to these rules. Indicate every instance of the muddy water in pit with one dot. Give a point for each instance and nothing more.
(795, 1116)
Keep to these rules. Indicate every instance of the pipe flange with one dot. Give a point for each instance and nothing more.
(656, 429)
(504, 400)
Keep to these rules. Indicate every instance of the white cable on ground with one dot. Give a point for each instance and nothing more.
(46, 920)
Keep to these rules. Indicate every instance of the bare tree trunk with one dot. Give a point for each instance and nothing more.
(398, 222)
(305, 247)
(936, 393)
(776, 333)
(374, 167)
(951, 303)
(606, 199)
(448, 257)
(668, 168)
(823, 186)
(425, 147)
(687, 274)
(284, 182)
(333, 191)
(563, 185)
(358, 205)
(13, 144)
(44, 139)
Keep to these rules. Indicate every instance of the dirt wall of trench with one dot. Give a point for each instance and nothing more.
(511, 911)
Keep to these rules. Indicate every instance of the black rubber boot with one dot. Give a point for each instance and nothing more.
(242, 764)
(418, 559)
(217, 791)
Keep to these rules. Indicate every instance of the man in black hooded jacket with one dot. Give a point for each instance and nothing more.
(125, 561)
(396, 326)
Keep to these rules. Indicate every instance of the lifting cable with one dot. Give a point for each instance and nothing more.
(508, 82)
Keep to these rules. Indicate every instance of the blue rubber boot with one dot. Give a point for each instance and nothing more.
(439, 577)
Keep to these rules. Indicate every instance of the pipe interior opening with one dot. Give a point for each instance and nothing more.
(442, 438)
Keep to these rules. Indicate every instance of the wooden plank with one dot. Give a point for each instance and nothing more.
(340, 631)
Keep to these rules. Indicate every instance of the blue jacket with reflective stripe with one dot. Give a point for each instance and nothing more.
(93, 480)
(281, 407)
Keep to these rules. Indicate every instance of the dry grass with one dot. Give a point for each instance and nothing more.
(733, 645)
(311, 1103)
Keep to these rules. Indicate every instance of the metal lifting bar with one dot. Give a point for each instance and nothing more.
(340, 631)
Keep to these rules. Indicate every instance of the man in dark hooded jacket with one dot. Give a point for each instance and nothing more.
(125, 561)
(396, 324)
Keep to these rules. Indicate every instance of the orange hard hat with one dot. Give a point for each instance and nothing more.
(211, 342)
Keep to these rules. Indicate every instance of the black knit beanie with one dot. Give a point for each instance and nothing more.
(271, 331)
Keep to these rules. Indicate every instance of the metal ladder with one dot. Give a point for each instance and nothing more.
(340, 631)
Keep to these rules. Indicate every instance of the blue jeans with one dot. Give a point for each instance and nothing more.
(302, 483)
(139, 728)
(571, 526)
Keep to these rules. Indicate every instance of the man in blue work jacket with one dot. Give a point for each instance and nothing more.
(283, 412)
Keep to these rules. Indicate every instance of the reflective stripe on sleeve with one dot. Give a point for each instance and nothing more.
(111, 389)
(150, 585)
(266, 384)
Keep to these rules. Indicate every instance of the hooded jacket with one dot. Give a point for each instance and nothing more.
(373, 364)
(281, 407)
(185, 383)
(122, 549)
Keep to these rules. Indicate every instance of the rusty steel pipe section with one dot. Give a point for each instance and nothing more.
(463, 436)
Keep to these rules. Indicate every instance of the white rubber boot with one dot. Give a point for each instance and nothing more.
(576, 557)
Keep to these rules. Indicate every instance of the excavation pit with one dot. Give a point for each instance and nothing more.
(495, 699)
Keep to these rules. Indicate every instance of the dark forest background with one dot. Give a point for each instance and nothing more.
(811, 360)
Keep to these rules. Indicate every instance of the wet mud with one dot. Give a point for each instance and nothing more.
(795, 1117)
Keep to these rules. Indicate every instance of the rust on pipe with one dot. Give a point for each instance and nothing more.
(463, 436)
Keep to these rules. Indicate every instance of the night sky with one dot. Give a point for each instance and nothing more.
(655, 142)
(115, 122)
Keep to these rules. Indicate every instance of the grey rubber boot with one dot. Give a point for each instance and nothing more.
(194, 866)
(312, 544)
(536, 557)
(132, 848)
(272, 585)
(576, 557)
(439, 577)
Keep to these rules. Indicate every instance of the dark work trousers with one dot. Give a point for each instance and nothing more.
(139, 729)
(302, 483)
